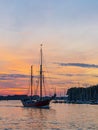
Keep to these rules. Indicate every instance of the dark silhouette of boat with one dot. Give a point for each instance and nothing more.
(41, 102)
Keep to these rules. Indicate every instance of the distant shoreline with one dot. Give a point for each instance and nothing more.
(12, 97)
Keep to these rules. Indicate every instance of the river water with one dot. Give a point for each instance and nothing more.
(13, 116)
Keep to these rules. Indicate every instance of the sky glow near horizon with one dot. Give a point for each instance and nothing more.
(68, 30)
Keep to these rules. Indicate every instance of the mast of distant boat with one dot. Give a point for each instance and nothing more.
(31, 78)
(41, 72)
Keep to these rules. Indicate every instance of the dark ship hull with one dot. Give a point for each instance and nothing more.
(37, 103)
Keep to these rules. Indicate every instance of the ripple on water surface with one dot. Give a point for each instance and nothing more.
(59, 117)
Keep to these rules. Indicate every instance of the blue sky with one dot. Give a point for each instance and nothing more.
(49, 13)
(59, 19)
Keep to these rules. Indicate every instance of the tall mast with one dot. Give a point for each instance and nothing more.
(41, 71)
(31, 78)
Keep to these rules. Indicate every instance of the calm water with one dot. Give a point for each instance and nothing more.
(59, 117)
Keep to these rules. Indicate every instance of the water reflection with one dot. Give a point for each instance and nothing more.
(39, 118)
(59, 117)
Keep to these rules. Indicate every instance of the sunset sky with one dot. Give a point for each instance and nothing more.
(68, 30)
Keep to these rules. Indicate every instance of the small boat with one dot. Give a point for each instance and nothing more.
(40, 102)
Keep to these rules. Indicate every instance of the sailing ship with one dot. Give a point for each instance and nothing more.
(41, 102)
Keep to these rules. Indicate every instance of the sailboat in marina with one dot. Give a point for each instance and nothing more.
(41, 102)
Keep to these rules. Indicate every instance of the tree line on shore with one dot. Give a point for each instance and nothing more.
(12, 97)
(83, 94)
